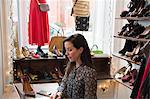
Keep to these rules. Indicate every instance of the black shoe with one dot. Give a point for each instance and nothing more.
(137, 31)
(124, 13)
(41, 53)
(129, 46)
(39, 49)
(144, 11)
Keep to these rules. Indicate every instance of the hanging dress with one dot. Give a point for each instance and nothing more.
(38, 25)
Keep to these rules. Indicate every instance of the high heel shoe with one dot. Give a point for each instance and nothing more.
(27, 89)
(133, 74)
(145, 48)
(124, 13)
(140, 5)
(135, 51)
(133, 5)
(57, 52)
(26, 52)
(144, 11)
(145, 33)
(120, 73)
(127, 75)
(41, 52)
(136, 31)
(59, 72)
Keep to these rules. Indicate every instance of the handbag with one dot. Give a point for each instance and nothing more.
(56, 41)
(44, 7)
(96, 51)
(73, 7)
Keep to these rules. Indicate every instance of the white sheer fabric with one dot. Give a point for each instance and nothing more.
(103, 23)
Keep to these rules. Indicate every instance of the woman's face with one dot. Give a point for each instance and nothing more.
(72, 53)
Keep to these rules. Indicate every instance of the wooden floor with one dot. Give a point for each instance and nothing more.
(106, 89)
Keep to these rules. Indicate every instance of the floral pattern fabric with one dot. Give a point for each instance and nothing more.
(80, 84)
(82, 23)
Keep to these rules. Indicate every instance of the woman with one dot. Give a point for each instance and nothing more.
(80, 77)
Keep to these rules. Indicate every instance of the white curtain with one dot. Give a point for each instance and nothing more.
(102, 16)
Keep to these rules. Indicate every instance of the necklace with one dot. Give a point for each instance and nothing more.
(79, 66)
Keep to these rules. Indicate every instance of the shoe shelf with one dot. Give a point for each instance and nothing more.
(126, 58)
(41, 81)
(135, 18)
(124, 83)
(46, 81)
(133, 39)
(41, 58)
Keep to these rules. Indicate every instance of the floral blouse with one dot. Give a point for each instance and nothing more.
(80, 84)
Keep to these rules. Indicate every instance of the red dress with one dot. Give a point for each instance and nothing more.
(38, 24)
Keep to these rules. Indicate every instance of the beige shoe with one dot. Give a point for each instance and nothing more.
(25, 52)
(27, 89)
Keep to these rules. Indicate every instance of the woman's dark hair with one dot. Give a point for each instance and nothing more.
(78, 41)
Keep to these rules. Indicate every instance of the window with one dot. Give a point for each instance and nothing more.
(101, 21)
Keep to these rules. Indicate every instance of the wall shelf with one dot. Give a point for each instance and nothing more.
(126, 58)
(133, 39)
(41, 81)
(124, 83)
(135, 18)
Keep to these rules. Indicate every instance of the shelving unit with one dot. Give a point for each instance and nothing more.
(128, 59)
(48, 65)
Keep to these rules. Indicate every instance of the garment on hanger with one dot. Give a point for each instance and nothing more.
(137, 82)
(82, 23)
(81, 8)
(145, 92)
(38, 24)
(81, 13)
(146, 71)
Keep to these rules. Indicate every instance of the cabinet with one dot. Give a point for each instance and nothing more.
(140, 48)
(40, 70)
(47, 68)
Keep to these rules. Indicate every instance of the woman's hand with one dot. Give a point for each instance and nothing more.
(56, 95)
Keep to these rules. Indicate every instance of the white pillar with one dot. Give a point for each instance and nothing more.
(1, 68)
(4, 30)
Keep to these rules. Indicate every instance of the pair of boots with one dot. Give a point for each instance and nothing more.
(129, 46)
